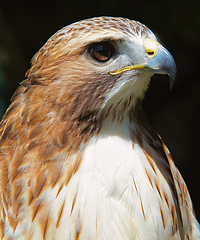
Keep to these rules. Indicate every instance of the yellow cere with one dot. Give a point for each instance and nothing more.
(150, 48)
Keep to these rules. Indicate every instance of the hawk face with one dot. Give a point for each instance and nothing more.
(100, 65)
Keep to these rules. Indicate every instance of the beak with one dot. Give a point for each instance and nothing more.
(160, 61)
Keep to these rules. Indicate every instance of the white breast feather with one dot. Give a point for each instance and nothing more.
(111, 185)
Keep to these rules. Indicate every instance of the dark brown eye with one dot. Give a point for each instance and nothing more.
(101, 51)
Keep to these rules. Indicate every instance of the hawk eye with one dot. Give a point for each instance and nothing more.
(101, 51)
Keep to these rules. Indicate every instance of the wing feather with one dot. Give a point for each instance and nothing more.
(157, 153)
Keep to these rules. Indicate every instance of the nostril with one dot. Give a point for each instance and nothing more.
(150, 53)
(150, 48)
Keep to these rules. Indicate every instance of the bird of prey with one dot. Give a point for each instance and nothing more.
(78, 158)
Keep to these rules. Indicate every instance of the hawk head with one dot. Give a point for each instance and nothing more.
(101, 62)
(87, 72)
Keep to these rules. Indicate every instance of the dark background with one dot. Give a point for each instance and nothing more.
(26, 25)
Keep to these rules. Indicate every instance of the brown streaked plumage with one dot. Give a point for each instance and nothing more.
(78, 158)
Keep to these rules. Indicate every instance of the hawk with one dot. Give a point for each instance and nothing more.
(78, 159)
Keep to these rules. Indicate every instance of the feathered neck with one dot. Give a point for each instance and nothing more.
(60, 124)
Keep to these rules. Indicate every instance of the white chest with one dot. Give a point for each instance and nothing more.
(115, 198)
(110, 197)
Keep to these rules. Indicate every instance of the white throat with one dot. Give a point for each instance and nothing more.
(129, 84)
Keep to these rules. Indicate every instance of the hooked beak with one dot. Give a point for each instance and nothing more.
(163, 63)
(160, 61)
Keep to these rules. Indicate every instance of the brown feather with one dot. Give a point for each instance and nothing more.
(52, 117)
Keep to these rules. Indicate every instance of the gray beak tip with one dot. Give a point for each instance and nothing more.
(163, 63)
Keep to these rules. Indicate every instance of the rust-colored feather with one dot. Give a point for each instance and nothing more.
(162, 217)
(60, 214)
(52, 184)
